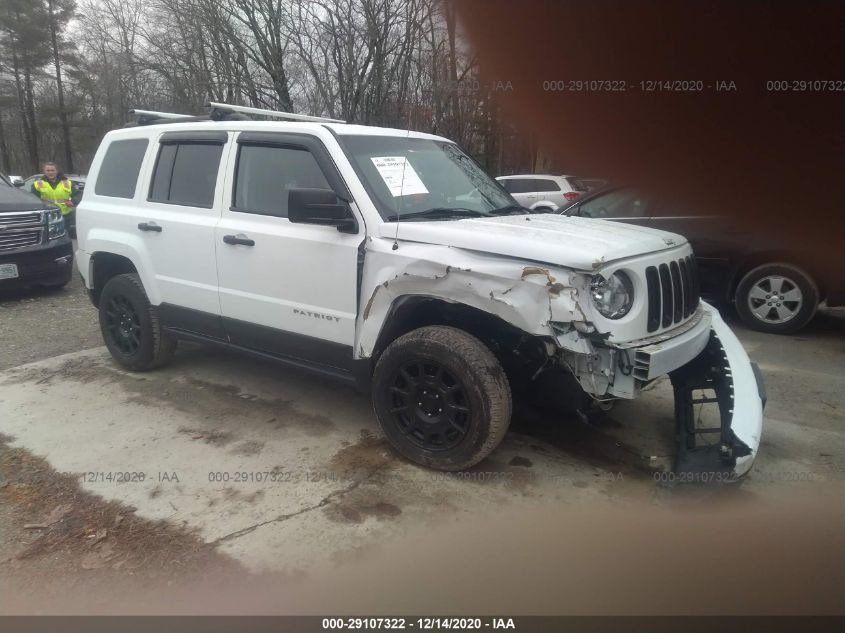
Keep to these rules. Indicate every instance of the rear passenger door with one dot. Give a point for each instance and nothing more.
(287, 289)
(177, 225)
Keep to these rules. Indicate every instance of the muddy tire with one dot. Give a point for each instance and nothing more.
(777, 298)
(131, 327)
(441, 397)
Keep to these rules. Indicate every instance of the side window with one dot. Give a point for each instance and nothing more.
(119, 170)
(521, 185)
(622, 203)
(186, 174)
(506, 185)
(544, 184)
(265, 175)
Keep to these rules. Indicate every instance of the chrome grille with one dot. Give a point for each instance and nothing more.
(19, 230)
(19, 239)
(673, 292)
(20, 220)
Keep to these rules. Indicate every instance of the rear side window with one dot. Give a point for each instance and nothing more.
(266, 174)
(544, 184)
(519, 185)
(621, 203)
(119, 170)
(585, 184)
(186, 174)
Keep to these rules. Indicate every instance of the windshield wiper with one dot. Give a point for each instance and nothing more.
(511, 209)
(437, 212)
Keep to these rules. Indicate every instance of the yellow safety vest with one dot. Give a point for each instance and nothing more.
(60, 195)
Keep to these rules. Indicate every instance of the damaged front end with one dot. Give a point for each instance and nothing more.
(539, 319)
(709, 369)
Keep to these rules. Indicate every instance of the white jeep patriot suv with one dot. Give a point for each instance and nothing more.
(391, 260)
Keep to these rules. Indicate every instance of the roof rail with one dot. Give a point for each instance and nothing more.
(218, 112)
(152, 114)
(226, 108)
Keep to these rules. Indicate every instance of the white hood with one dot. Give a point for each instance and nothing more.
(572, 242)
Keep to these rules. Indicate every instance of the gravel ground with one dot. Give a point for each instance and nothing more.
(39, 323)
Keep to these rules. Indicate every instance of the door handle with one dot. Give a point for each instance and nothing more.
(240, 238)
(149, 226)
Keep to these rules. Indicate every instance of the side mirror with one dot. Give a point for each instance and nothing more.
(18, 183)
(320, 206)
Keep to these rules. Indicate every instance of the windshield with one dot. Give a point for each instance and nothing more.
(423, 179)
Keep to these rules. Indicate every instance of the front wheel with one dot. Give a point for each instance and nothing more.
(441, 397)
(777, 298)
(130, 325)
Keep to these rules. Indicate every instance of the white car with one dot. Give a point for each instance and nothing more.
(390, 260)
(545, 193)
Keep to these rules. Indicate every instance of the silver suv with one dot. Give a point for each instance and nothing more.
(546, 193)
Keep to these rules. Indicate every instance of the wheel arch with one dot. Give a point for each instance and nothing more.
(518, 351)
(103, 265)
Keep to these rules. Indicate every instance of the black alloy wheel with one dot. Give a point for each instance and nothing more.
(123, 324)
(430, 406)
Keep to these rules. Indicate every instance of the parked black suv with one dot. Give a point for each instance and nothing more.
(775, 278)
(35, 248)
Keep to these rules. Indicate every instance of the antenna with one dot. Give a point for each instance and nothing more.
(402, 180)
(276, 114)
(401, 191)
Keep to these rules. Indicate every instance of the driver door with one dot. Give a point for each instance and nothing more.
(286, 289)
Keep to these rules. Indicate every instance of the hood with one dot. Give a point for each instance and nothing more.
(15, 199)
(572, 242)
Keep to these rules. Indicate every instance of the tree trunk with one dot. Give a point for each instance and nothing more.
(68, 166)
(4, 150)
(29, 99)
(21, 95)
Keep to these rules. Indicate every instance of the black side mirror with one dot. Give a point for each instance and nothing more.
(320, 206)
(18, 183)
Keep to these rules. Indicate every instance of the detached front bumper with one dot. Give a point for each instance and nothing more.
(724, 376)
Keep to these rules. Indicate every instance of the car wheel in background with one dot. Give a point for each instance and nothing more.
(778, 298)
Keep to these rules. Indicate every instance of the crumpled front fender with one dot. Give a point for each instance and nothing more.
(724, 370)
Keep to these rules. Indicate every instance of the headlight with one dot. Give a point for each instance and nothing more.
(612, 297)
(55, 223)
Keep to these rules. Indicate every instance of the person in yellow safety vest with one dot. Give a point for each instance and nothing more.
(54, 188)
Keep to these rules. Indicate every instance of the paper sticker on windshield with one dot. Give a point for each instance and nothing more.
(399, 175)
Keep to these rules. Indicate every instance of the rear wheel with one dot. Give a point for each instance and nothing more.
(131, 327)
(441, 397)
(777, 298)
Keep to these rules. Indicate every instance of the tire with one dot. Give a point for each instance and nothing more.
(762, 309)
(131, 327)
(441, 368)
